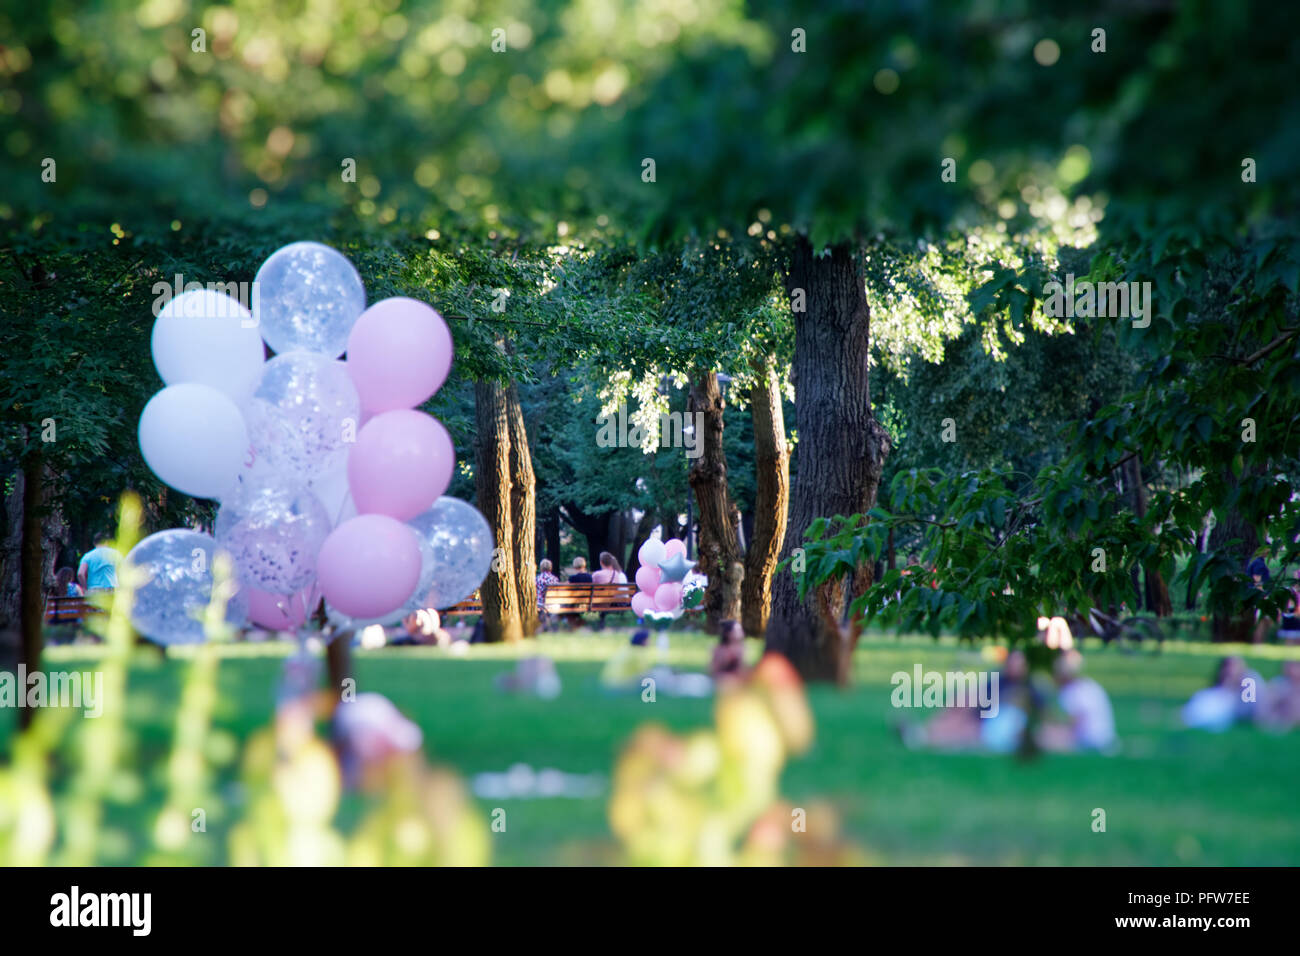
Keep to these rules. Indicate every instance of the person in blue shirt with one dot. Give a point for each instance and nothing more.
(98, 569)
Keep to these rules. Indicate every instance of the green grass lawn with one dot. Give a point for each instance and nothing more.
(1171, 796)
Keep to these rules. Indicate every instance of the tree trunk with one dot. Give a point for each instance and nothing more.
(501, 617)
(523, 513)
(1237, 627)
(593, 527)
(841, 449)
(639, 537)
(552, 526)
(771, 500)
(11, 546)
(33, 570)
(1155, 592)
(719, 545)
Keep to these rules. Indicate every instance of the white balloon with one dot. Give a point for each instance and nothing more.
(208, 338)
(193, 438)
(308, 297)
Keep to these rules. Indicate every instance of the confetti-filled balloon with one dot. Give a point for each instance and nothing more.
(308, 297)
(209, 338)
(170, 604)
(273, 529)
(193, 438)
(458, 543)
(304, 416)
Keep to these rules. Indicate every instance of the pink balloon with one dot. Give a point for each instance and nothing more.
(668, 596)
(369, 566)
(400, 465)
(399, 353)
(277, 612)
(675, 546)
(641, 603)
(652, 553)
(647, 578)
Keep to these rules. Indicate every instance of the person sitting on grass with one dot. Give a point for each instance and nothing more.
(998, 727)
(728, 661)
(1090, 720)
(1226, 701)
(1282, 710)
(422, 627)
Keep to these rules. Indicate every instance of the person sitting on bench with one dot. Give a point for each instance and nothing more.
(579, 574)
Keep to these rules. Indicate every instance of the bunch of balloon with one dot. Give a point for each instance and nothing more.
(663, 566)
(329, 481)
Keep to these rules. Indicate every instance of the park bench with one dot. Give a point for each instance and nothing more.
(471, 605)
(69, 610)
(588, 598)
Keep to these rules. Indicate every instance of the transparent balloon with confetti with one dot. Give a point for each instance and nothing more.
(174, 569)
(273, 528)
(304, 416)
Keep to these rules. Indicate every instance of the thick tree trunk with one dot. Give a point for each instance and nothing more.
(593, 527)
(501, 613)
(841, 449)
(523, 513)
(719, 543)
(33, 570)
(771, 500)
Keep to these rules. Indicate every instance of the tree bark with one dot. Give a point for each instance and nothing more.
(639, 537)
(501, 612)
(593, 527)
(523, 513)
(32, 562)
(719, 543)
(1155, 592)
(842, 449)
(552, 530)
(771, 500)
(1238, 627)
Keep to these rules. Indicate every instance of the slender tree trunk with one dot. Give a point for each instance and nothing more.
(552, 525)
(639, 537)
(842, 449)
(1234, 627)
(33, 570)
(771, 500)
(1155, 591)
(523, 513)
(501, 612)
(719, 544)
(11, 546)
